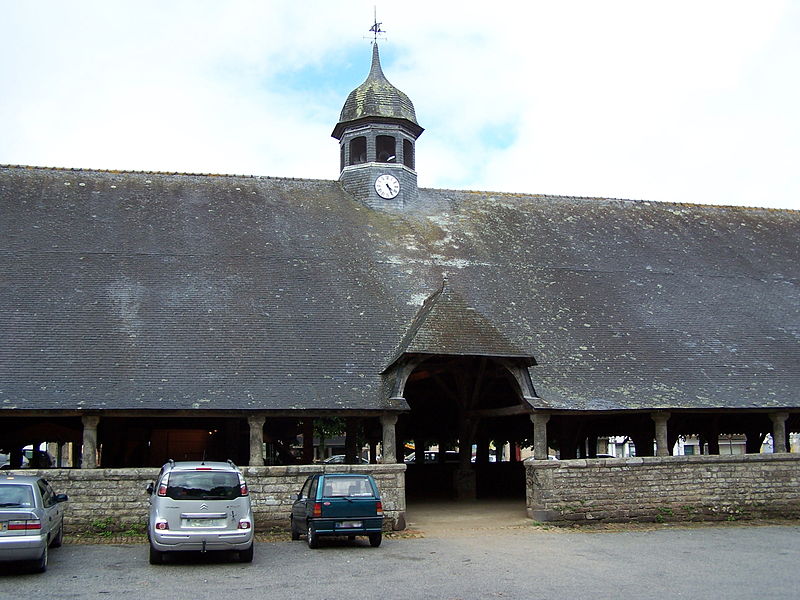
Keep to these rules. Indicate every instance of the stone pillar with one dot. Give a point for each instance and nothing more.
(539, 420)
(779, 431)
(389, 439)
(89, 452)
(256, 423)
(662, 445)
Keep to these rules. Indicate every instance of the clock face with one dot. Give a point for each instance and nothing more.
(387, 186)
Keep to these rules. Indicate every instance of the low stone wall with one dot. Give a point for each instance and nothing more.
(115, 499)
(671, 488)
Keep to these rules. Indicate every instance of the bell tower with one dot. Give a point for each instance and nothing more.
(377, 131)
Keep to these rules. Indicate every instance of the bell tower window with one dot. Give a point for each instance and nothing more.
(358, 150)
(386, 149)
(408, 154)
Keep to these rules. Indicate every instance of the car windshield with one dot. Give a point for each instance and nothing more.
(343, 487)
(16, 496)
(203, 485)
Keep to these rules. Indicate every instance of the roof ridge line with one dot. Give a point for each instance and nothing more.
(607, 199)
(170, 173)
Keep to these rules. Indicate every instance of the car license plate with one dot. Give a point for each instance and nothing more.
(203, 523)
(350, 524)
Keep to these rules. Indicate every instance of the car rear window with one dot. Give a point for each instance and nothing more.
(343, 487)
(16, 496)
(203, 485)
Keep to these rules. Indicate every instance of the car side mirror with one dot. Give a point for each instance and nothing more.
(61, 498)
(149, 488)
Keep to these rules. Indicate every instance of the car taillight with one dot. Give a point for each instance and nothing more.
(162, 489)
(243, 489)
(317, 509)
(162, 524)
(24, 525)
(379, 508)
(245, 524)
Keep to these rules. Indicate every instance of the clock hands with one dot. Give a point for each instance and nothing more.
(387, 186)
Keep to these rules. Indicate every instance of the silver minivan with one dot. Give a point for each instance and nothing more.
(200, 506)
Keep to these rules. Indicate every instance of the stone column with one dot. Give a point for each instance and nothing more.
(662, 445)
(660, 418)
(389, 439)
(89, 452)
(256, 423)
(539, 420)
(778, 431)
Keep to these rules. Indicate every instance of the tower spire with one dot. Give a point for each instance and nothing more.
(377, 130)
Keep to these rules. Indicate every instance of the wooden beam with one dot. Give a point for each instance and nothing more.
(506, 411)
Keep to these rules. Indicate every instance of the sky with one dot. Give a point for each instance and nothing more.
(681, 101)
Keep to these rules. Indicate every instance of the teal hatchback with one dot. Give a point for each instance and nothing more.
(342, 504)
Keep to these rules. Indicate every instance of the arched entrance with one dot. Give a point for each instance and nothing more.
(468, 422)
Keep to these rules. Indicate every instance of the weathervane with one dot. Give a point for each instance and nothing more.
(376, 27)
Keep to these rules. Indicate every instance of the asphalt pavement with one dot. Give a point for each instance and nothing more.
(724, 561)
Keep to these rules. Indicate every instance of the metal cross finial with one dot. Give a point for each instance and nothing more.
(376, 27)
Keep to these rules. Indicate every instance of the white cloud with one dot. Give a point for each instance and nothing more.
(686, 101)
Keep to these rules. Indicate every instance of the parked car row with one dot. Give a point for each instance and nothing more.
(201, 506)
(195, 506)
(31, 459)
(433, 456)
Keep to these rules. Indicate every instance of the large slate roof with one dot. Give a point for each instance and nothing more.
(164, 291)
